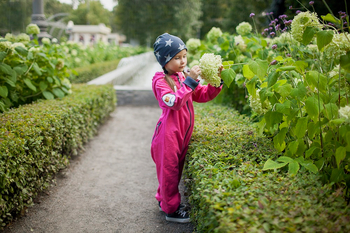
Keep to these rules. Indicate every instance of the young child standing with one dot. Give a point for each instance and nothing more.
(175, 91)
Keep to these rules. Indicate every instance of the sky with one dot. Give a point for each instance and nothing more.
(108, 4)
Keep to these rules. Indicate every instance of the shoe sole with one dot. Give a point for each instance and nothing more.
(179, 220)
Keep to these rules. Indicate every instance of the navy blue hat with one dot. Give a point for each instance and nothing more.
(166, 47)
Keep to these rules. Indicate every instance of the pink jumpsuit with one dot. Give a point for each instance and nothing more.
(173, 132)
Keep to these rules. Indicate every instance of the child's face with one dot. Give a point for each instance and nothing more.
(177, 63)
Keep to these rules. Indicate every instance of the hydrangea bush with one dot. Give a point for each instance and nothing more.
(296, 84)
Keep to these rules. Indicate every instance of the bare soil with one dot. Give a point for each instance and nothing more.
(109, 187)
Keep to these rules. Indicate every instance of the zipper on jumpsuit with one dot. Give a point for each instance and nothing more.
(188, 108)
(156, 131)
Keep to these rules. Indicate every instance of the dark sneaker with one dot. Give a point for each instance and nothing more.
(182, 206)
(179, 215)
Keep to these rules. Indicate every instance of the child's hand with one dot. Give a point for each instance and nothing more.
(220, 70)
(194, 72)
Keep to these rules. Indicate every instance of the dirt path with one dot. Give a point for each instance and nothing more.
(108, 188)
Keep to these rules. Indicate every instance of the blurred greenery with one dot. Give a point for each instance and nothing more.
(143, 20)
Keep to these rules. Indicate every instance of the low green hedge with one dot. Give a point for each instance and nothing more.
(229, 192)
(90, 72)
(36, 141)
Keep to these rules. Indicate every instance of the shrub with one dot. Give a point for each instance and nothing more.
(90, 72)
(36, 140)
(229, 191)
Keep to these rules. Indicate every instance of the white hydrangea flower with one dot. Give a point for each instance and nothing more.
(46, 41)
(34, 50)
(10, 37)
(5, 45)
(32, 29)
(209, 65)
(344, 112)
(334, 72)
(301, 21)
(54, 40)
(244, 28)
(239, 42)
(18, 44)
(284, 38)
(193, 44)
(256, 105)
(74, 52)
(337, 47)
(60, 63)
(24, 38)
(214, 34)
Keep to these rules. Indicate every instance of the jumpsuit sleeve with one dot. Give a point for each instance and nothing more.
(167, 98)
(205, 93)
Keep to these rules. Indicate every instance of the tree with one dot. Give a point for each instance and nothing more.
(90, 12)
(145, 20)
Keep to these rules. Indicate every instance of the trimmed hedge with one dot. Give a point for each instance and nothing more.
(229, 192)
(36, 141)
(90, 72)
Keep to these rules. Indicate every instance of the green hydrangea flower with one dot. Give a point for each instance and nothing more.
(33, 29)
(209, 65)
(214, 34)
(284, 38)
(301, 21)
(193, 44)
(244, 28)
(60, 63)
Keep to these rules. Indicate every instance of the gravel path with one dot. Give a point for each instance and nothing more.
(109, 187)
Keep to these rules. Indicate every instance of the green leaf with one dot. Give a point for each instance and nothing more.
(228, 75)
(283, 108)
(310, 166)
(317, 80)
(308, 35)
(10, 82)
(272, 78)
(272, 118)
(324, 38)
(48, 95)
(337, 175)
(250, 85)
(270, 164)
(299, 92)
(259, 67)
(286, 68)
(284, 90)
(29, 84)
(278, 140)
(293, 168)
(330, 18)
(293, 147)
(22, 51)
(340, 154)
(3, 91)
(310, 151)
(285, 159)
(247, 73)
(2, 55)
(7, 69)
(20, 69)
(312, 107)
(330, 111)
(37, 69)
(43, 85)
(58, 92)
(345, 61)
(301, 126)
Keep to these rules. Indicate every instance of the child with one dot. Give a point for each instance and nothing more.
(175, 92)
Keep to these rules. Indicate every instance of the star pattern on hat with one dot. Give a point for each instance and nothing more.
(167, 58)
(158, 55)
(157, 42)
(168, 42)
(181, 46)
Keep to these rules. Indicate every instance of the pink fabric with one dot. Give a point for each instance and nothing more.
(172, 134)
